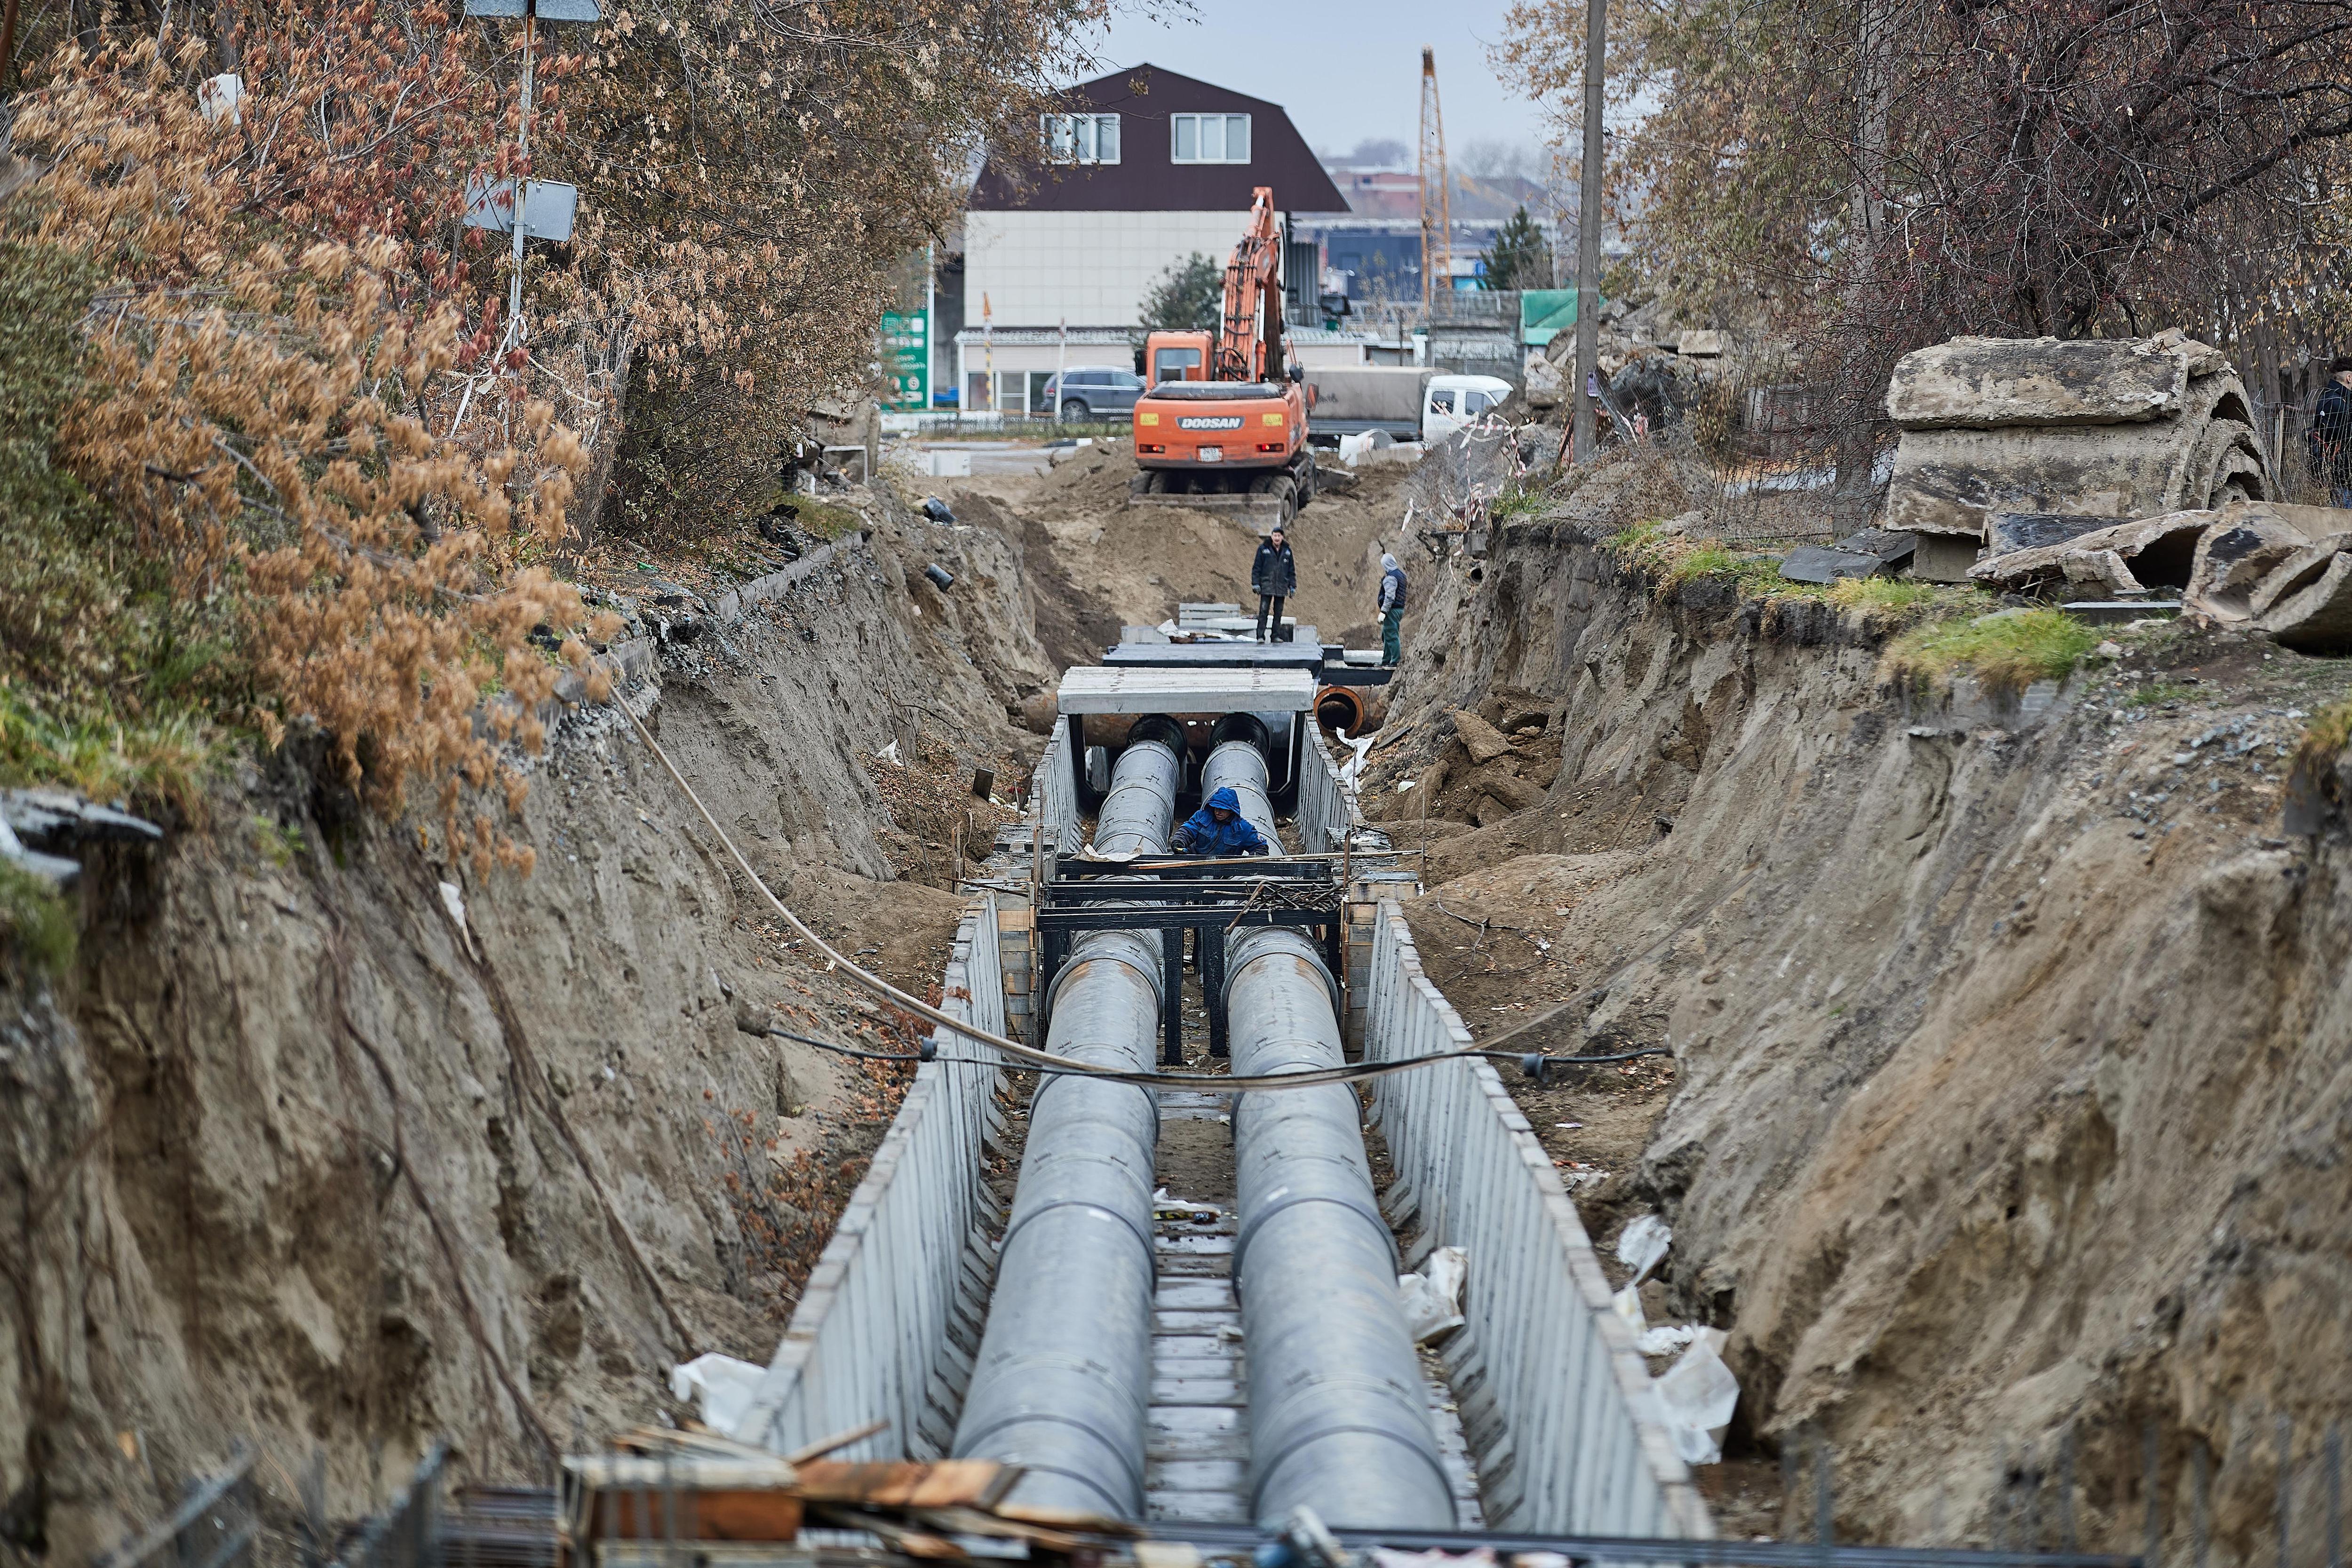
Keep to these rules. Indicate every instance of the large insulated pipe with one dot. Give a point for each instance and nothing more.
(1063, 1381)
(1338, 1413)
(1239, 764)
(1338, 1417)
(1141, 801)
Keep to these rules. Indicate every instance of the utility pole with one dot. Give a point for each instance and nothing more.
(1588, 235)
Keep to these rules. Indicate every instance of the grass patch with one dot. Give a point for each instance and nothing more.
(2163, 692)
(104, 681)
(2007, 651)
(823, 519)
(2329, 731)
(1896, 595)
(1515, 503)
(34, 920)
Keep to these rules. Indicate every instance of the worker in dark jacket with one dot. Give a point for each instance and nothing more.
(2330, 437)
(1273, 578)
(1392, 605)
(1219, 829)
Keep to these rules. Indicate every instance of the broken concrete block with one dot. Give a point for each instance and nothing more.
(1892, 547)
(2243, 554)
(1482, 740)
(2101, 569)
(1812, 564)
(2009, 531)
(2316, 618)
(2158, 552)
(1945, 557)
(2116, 428)
(1990, 384)
(2297, 571)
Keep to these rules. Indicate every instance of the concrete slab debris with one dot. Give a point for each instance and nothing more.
(2242, 553)
(1813, 564)
(2150, 552)
(2317, 617)
(2114, 429)
(2012, 531)
(1991, 383)
(1892, 547)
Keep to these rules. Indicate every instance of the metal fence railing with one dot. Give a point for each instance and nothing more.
(1589, 1455)
(869, 1329)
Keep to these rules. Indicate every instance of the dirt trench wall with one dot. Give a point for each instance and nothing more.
(294, 1155)
(2013, 1082)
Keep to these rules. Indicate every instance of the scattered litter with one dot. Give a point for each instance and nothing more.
(890, 754)
(1664, 1336)
(941, 578)
(937, 510)
(1404, 785)
(724, 1386)
(1627, 1305)
(1569, 1126)
(1641, 1245)
(454, 900)
(1432, 1297)
(1353, 769)
(1697, 1395)
(1165, 1207)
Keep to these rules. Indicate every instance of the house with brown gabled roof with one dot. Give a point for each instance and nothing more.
(1145, 168)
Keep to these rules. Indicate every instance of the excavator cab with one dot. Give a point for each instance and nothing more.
(1175, 356)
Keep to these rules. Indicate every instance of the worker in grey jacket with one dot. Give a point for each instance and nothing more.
(1392, 610)
(1273, 578)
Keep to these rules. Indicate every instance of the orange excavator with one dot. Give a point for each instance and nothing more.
(1222, 422)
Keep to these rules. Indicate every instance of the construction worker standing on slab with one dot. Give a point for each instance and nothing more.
(1391, 610)
(1274, 577)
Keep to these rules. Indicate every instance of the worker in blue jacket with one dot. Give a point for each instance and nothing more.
(1219, 829)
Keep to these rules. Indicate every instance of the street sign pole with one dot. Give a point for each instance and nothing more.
(521, 174)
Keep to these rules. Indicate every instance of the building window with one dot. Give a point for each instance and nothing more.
(1212, 138)
(1082, 138)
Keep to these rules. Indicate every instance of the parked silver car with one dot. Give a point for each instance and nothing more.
(1093, 392)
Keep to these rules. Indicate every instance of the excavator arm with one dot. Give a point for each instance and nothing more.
(1249, 345)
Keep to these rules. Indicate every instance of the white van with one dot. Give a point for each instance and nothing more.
(1450, 402)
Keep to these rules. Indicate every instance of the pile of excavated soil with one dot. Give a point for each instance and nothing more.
(1116, 561)
(2008, 1050)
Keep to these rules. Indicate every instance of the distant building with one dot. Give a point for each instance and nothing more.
(1147, 168)
(1372, 252)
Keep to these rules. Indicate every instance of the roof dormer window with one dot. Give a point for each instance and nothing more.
(1212, 138)
(1082, 138)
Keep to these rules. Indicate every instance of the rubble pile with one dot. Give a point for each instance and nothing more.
(2284, 571)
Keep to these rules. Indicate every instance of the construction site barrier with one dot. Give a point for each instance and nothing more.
(1579, 1449)
(1054, 806)
(869, 1331)
(1327, 807)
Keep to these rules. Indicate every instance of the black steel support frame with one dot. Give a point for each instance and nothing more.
(1205, 903)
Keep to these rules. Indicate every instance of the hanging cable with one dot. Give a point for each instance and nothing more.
(1535, 1063)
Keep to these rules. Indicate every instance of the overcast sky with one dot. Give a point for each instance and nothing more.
(1346, 71)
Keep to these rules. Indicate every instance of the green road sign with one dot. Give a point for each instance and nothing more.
(907, 358)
